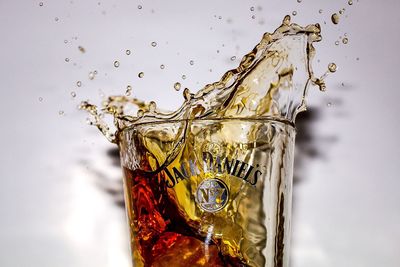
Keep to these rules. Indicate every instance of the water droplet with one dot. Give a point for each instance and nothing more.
(56, 19)
(233, 58)
(253, 17)
(350, 2)
(183, 77)
(82, 49)
(252, 8)
(66, 59)
(294, 13)
(191, 62)
(116, 63)
(139, 7)
(128, 90)
(61, 112)
(345, 40)
(337, 43)
(153, 44)
(41, 4)
(40, 99)
(73, 94)
(335, 18)
(140, 113)
(91, 75)
(152, 106)
(320, 11)
(79, 83)
(186, 94)
(141, 74)
(162, 66)
(177, 86)
(332, 67)
(128, 52)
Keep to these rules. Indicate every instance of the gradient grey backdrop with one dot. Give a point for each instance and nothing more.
(59, 188)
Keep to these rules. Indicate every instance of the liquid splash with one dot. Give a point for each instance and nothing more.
(270, 82)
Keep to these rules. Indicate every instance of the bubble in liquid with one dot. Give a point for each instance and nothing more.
(350, 2)
(141, 74)
(41, 4)
(139, 7)
(335, 18)
(233, 58)
(66, 59)
(177, 86)
(40, 99)
(73, 94)
(332, 67)
(116, 63)
(153, 44)
(128, 90)
(183, 77)
(252, 8)
(345, 40)
(61, 112)
(79, 83)
(294, 13)
(191, 62)
(128, 52)
(82, 49)
(320, 11)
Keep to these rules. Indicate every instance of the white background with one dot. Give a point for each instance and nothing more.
(56, 208)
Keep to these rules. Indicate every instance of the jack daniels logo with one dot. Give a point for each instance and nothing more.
(220, 165)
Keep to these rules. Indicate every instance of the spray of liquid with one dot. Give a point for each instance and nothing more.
(270, 82)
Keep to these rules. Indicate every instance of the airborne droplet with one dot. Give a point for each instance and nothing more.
(91, 75)
(153, 44)
(141, 74)
(79, 83)
(332, 67)
(335, 18)
(294, 13)
(350, 2)
(128, 90)
(345, 40)
(337, 43)
(298, 1)
(128, 52)
(56, 19)
(233, 58)
(116, 63)
(139, 7)
(73, 94)
(252, 8)
(162, 66)
(191, 62)
(183, 77)
(61, 112)
(320, 11)
(66, 59)
(41, 4)
(177, 86)
(40, 99)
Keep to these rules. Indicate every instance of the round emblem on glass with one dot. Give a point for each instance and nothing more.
(212, 195)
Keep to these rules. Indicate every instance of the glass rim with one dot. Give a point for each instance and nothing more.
(172, 121)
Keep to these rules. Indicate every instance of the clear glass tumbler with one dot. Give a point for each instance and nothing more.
(209, 192)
